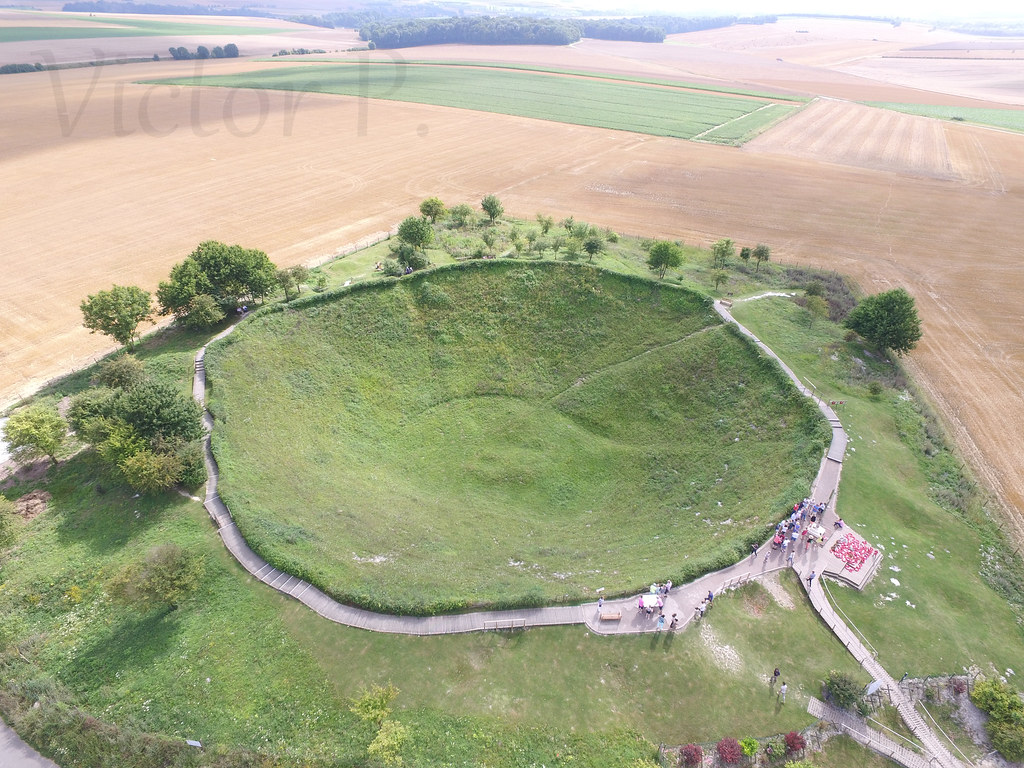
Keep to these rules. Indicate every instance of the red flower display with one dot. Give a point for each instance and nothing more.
(853, 551)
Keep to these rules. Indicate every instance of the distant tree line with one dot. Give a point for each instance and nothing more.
(181, 53)
(13, 69)
(107, 6)
(524, 30)
(483, 30)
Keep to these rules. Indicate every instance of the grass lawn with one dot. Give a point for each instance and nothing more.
(625, 106)
(504, 434)
(245, 670)
(929, 610)
(844, 752)
(1009, 118)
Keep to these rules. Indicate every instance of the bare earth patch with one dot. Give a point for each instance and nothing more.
(725, 656)
(774, 588)
(32, 504)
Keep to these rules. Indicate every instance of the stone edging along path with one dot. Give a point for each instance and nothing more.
(681, 601)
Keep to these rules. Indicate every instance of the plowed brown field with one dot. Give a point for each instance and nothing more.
(110, 181)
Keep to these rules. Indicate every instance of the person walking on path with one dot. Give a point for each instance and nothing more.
(661, 622)
(775, 677)
(811, 578)
(753, 552)
(782, 693)
(600, 604)
(674, 623)
(711, 596)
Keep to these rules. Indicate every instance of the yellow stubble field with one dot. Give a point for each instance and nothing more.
(110, 181)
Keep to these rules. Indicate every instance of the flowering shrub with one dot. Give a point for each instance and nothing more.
(691, 754)
(729, 750)
(794, 742)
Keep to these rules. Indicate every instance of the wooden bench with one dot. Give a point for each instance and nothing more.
(611, 615)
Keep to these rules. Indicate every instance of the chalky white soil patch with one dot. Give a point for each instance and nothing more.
(725, 656)
(777, 591)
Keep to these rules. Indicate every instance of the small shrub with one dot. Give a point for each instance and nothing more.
(749, 746)
(959, 686)
(794, 742)
(387, 744)
(193, 468)
(775, 748)
(841, 689)
(392, 268)
(875, 388)
(121, 372)
(850, 336)
(166, 576)
(729, 751)
(691, 754)
(373, 704)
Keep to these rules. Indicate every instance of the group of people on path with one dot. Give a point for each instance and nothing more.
(803, 522)
(805, 515)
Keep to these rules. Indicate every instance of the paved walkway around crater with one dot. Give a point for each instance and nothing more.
(682, 600)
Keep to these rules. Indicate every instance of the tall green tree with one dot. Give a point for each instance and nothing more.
(761, 253)
(35, 431)
(461, 214)
(433, 208)
(721, 252)
(117, 312)
(888, 320)
(593, 245)
(416, 231)
(546, 223)
(492, 207)
(230, 274)
(663, 255)
(203, 311)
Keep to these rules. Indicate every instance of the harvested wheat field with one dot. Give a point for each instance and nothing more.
(111, 181)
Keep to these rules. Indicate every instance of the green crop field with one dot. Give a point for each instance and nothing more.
(742, 129)
(499, 434)
(126, 28)
(1011, 119)
(576, 72)
(624, 106)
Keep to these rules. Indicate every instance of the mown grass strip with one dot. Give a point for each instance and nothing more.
(1008, 119)
(618, 106)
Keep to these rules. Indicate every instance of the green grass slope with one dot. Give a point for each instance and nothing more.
(932, 605)
(504, 434)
